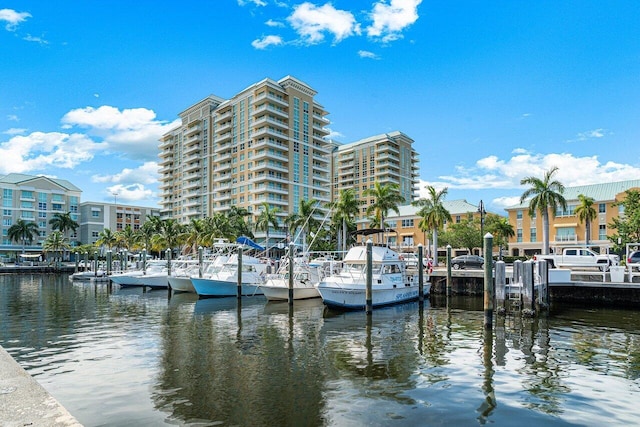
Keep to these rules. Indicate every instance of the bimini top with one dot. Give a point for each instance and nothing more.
(379, 254)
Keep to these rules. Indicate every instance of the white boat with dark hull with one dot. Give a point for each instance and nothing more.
(392, 281)
(154, 276)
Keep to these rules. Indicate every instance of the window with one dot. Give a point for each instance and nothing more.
(457, 219)
(7, 222)
(27, 194)
(56, 206)
(407, 223)
(519, 235)
(534, 234)
(519, 214)
(95, 234)
(95, 214)
(602, 208)
(602, 232)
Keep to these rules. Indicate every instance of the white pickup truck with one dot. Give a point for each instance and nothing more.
(580, 257)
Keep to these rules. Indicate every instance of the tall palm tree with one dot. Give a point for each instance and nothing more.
(63, 222)
(433, 215)
(238, 220)
(386, 197)
(501, 229)
(55, 242)
(170, 236)
(267, 218)
(586, 213)
(345, 211)
(218, 226)
(107, 238)
(23, 231)
(544, 194)
(304, 221)
(126, 238)
(195, 235)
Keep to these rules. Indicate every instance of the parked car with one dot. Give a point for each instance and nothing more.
(633, 261)
(467, 261)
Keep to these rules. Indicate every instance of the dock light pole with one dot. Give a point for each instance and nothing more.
(482, 213)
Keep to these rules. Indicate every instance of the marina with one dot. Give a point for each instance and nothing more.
(126, 356)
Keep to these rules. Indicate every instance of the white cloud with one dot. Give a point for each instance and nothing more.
(367, 54)
(254, 2)
(389, 20)
(312, 22)
(333, 134)
(132, 131)
(39, 150)
(13, 118)
(494, 173)
(590, 134)
(14, 131)
(134, 193)
(35, 39)
(147, 173)
(13, 18)
(266, 42)
(505, 202)
(272, 23)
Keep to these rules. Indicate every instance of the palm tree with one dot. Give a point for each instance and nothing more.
(126, 238)
(544, 194)
(170, 236)
(386, 197)
(238, 220)
(501, 229)
(55, 242)
(195, 235)
(345, 210)
(586, 213)
(303, 220)
(23, 231)
(63, 222)
(107, 238)
(433, 215)
(267, 218)
(218, 226)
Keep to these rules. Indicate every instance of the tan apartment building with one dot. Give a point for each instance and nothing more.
(265, 144)
(407, 235)
(565, 229)
(388, 158)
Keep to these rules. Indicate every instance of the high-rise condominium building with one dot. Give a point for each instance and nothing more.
(265, 144)
(388, 159)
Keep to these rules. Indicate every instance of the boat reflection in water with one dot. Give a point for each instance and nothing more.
(146, 359)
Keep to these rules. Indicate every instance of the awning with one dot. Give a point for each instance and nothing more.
(570, 225)
(369, 231)
(243, 240)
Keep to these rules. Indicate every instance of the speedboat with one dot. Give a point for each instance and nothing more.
(155, 271)
(392, 281)
(306, 276)
(222, 280)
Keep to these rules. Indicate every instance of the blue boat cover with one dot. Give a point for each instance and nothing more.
(244, 240)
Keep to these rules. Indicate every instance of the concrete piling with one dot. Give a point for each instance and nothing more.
(488, 281)
(369, 283)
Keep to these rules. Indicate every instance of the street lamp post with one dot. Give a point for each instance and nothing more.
(482, 213)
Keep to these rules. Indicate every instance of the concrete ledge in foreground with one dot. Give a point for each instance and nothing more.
(24, 402)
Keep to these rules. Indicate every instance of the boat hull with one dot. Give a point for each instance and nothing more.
(355, 298)
(181, 284)
(281, 293)
(154, 282)
(221, 288)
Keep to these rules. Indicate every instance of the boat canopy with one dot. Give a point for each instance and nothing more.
(379, 254)
(244, 240)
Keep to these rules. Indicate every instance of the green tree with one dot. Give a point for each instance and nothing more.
(543, 195)
(626, 227)
(170, 236)
(55, 242)
(267, 218)
(218, 226)
(23, 231)
(586, 213)
(501, 230)
(386, 197)
(195, 234)
(303, 220)
(238, 221)
(107, 238)
(344, 213)
(126, 238)
(64, 223)
(433, 215)
(463, 235)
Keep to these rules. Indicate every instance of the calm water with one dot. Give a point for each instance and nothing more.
(129, 358)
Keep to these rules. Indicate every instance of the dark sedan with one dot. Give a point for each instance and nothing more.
(467, 261)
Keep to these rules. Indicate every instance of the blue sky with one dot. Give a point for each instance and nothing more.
(490, 91)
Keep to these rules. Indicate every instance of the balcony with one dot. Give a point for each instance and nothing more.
(223, 126)
(223, 137)
(193, 130)
(191, 184)
(192, 139)
(191, 167)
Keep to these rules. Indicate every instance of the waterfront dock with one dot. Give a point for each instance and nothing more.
(24, 402)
